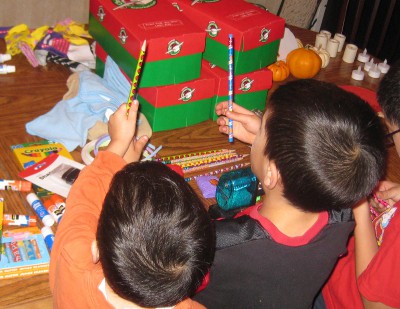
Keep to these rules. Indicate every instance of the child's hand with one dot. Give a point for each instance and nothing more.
(121, 128)
(389, 192)
(245, 123)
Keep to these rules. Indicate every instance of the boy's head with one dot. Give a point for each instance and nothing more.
(389, 100)
(155, 239)
(326, 143)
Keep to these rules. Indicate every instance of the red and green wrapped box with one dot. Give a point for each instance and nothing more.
(250, 90)
(256, 32)
(173, 106)
(174, 43)
(177, 106)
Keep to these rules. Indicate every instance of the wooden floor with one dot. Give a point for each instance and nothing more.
(31, 92)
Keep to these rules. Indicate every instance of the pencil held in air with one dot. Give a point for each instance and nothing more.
(230, 86)
(135, 80)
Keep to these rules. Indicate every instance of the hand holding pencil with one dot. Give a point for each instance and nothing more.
(135, 80)
(246, 123)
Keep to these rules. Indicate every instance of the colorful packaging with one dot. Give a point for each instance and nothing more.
(23, 253)
(28, 154)
(250, 90)
(256, 32)
(174, 43)
(177, 106)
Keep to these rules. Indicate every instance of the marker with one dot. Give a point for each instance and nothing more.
(36, 248)
(15, 251)
(15, 185)
(18, 220)
(22, 250)
(9, 254)
(230, 86)
(30, 250)
(40, 210)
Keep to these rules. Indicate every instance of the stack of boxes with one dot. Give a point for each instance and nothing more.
(184, 74)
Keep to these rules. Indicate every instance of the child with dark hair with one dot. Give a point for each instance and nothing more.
(133, 235)
(366, 278)
(317, 151)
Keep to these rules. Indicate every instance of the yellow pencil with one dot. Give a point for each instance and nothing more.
(135, 80)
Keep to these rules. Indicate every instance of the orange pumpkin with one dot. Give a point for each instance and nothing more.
(280, 71)
(303, 63)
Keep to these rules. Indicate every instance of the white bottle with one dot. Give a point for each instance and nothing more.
(4, 68)
(4, 57)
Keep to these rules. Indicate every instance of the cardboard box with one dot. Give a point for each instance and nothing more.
(178, 106)
(174, 43)
(256, 32)
(250, 89)
(23, 253)
(173, 106)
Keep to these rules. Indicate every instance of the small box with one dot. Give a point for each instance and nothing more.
(178, 106)
(256, 32)
(174, 44)
(23, 253)
(250, 89)
(173, 106)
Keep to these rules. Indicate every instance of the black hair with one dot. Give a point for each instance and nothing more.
(327, 143)
(155, 238)
(389, 94)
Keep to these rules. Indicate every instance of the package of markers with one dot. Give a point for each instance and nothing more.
(23, 253)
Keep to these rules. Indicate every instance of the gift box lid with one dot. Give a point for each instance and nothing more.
(195, 90)
(168, 33)
(243, 83)
(250, 25)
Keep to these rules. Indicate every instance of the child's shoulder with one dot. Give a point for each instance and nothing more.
(231, 232)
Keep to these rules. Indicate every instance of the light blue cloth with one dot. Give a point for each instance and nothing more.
(69, 120)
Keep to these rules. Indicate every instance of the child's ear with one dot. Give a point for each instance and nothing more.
(95, 252)
(272, 177)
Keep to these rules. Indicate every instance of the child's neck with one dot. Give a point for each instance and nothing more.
(290, 220)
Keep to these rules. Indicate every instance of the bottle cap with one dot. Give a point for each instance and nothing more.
(368, 65)
(46, 231)
(5, 57)
(384, 67)
(26, 186)
(357, 74)
(363, 57)
(31, 197)
(56, 199)
(48, 220)
(374, 72)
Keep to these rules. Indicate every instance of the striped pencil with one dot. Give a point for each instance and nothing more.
(230, 86)
(209, 161)
(135, 80)
(206, 158)
(211, 165)
(189, 156)
(219, 171)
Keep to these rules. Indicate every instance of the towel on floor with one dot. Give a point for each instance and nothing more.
(69, 120)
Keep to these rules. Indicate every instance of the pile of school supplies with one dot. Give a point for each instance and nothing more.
(179, 83)
(65, 43)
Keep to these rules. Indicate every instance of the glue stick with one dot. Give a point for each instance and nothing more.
(18, 220)
(48, 236)
(15, 185)
(40, 210)
(55, 205)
